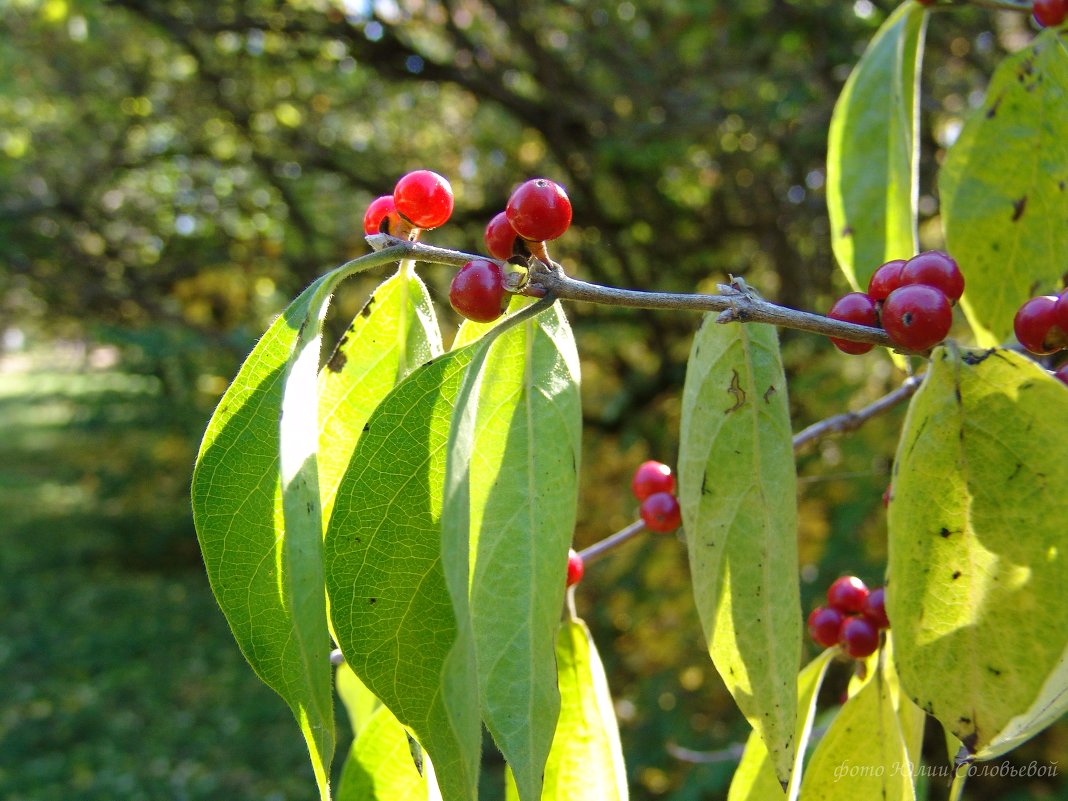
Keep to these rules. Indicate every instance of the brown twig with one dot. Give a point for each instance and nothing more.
(850, 421)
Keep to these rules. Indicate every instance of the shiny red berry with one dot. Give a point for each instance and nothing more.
(575, 568)
(937, 269)
(424, 198)
(1060, 313)
(917, 317)
(1061, 373)
(885, 279)
(1050, 13)
(1036, 327)
(376, 214)
(660, 512)
(858, 637)
(539, 210)
(856, 307)
(477, 291)
(652, 477)
(500, 237)
(847, 594)
(823, 625)
(874, 608)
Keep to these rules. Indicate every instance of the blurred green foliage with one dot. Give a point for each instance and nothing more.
(171, 171)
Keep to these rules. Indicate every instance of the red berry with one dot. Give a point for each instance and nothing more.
(937, 269)
(539, 210)
(858, 637)
(875, 608)
(1062, 373)
(1060, 313)
(917, 317)
(823, 625)
(424, 198)
(885, 279)
(652, 477)
(856, 307)
(660, 512)
(1035, 325)
(477, 291)
(376, 214)
(926, 2)
(1050, 13)
(847, 594)
(575, 568)
(500, 237)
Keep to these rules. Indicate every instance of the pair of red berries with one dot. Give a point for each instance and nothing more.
(654, 485)
(1041, 324)
(423, 199)
(852, 618)
(538, 211)
(912, 300)
(1050, 13)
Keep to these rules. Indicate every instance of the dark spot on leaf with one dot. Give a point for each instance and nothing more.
(768, 393)
(337, 361)
(993, 670)
(705, 489)
(366, 310)
(945, 532)
(957, 395)
(736, 390)
(1060, 185)
(1016, 471)
(993, 110)
(366, 427)
(847, 231)
(957, 574)
(309, 506)
(973, 358)
(964, 720)
(1018, 207)
(372, 600)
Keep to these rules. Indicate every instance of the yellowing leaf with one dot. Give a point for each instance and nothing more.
(977, 548)
(586, 759)
(862, 754)
(872, 181)
(737, 489)
(755, 779)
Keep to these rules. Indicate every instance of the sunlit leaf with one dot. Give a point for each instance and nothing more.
(976, 539)
(389, 604)
(509, 514)
(394, 333)
(737, 488)
(862, 754)
(1004, 188)
(872, 179)
(754, 779)
(360, 703)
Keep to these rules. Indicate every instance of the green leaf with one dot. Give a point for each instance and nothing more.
(737, 489)
(360, 703)
(509, 513)
(1004, 188)
(755, 779)
(872, 159)
(586, 759)
(976, 548)
(256, 507)
(862, 754)
(390, 607)
(379, 766)
(394, 333)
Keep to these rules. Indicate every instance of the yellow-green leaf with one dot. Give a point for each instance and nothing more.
(977, 548)
(507, 522)
(586, 759)
(755, 779)
(737, 489)
(1004, 188)
(360, 703)
(872, 159)
(394, 333)
(862, 754)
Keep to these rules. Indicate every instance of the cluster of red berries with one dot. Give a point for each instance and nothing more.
(538, 211)
(852, 617)
(912, 300)
(654, 486)
(1041, 325)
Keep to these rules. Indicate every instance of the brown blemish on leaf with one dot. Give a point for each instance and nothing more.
(957, 574)
(736, 390)
(337, 361)
(847, 231)
(770, 391)
(366, 310)
(1018, 207)
(993, 110)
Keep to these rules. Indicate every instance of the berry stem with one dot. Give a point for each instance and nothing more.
(599, 549)
(851, 421)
